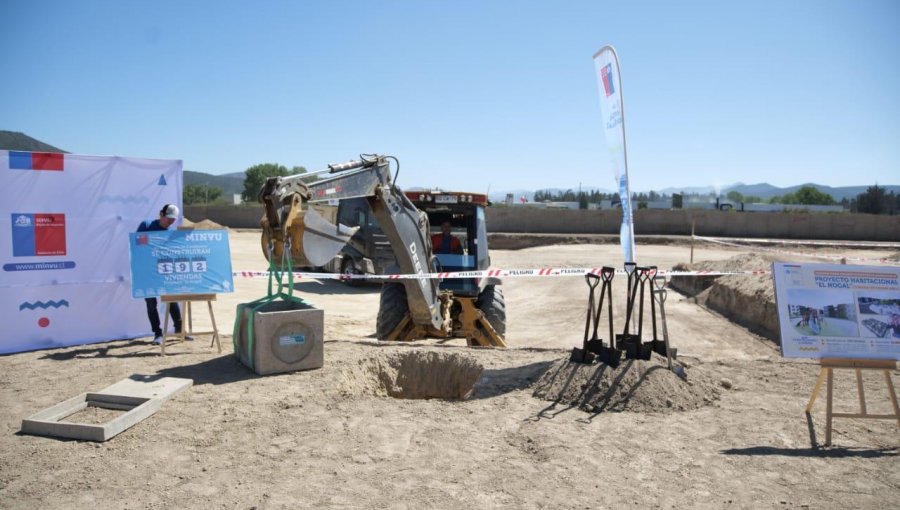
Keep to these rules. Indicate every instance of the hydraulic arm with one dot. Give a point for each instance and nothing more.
(291, 225)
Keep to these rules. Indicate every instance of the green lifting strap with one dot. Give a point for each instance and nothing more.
(254, 306)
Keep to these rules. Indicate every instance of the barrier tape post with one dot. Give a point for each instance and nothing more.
(693, 227)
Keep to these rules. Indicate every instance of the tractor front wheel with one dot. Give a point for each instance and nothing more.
(392, 309)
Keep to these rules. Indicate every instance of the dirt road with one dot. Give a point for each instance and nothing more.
(323, 439)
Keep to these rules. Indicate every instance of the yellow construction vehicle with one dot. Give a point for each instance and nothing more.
(412, 308)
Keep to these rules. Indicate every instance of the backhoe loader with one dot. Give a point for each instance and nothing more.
(409, 309)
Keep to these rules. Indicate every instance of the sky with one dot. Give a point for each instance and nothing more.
(469, 95)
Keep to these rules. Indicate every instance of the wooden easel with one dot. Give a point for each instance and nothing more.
(827, 372)
(186, 319)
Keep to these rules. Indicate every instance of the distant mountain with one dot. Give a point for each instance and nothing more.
(765, 190)
(230, 183)
(15, 141)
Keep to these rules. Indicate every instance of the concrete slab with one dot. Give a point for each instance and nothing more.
(47, 422)
(139, 395)
(148, 386)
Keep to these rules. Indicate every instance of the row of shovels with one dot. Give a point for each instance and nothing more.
(627, 343)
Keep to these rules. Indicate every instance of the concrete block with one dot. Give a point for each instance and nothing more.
(287, 336)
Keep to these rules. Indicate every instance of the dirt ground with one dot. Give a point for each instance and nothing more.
(330, 438)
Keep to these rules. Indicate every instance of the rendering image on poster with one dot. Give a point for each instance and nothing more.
(822, 313)
(838, 310)
(880, 314)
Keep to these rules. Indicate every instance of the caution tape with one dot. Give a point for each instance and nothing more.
(797, 253)
(494, 273)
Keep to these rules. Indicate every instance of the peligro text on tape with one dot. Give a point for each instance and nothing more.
(796, 253)
(494, 273)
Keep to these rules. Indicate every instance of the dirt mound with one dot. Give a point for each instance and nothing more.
(201, 225)
(635, 385)
(414, 375)
(748, 300)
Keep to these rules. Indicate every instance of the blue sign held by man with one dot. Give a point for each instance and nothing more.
(169, 262)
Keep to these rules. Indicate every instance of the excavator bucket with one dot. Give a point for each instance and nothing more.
(312, 239)
(322, 240)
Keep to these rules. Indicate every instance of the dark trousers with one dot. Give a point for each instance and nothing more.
(153, 315)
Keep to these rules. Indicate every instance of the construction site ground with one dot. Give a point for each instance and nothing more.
(333, 438)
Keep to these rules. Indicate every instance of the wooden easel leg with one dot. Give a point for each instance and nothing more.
(860, 391)
(215, 329)
(165, 330)
(890, 385)
(190, 320)
(815, 393)
(828, 406)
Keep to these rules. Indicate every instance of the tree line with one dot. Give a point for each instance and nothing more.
(875, 200)
(254, 178)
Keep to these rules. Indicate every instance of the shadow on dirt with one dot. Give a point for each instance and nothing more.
(496, 382)
(335, 287)
(222, 370)
(825, 452)
(109, 350)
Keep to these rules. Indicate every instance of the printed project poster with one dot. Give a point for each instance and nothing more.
(838, 311)
(180, 262)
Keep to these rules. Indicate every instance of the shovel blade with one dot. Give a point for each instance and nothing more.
(636, 350)
(659, 347)
(581, 356)
(610, 356)
(595, 346)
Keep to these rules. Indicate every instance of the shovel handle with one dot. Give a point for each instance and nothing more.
(662, 295)
(607, 273)
(659, 282)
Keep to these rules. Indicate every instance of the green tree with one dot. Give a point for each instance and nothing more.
(873, 201)
(256, 177)
(809, 195)
(200, 194)
(735, 196)
(582, 200)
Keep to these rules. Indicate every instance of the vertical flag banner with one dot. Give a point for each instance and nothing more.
(612, 109)
(65, 220)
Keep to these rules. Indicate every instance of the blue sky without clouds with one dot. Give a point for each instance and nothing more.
(467, 94)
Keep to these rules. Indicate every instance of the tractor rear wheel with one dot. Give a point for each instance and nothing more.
(392, 309)
(493, 306)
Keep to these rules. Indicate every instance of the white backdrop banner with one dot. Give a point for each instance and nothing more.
(64, 225)
(612, 109)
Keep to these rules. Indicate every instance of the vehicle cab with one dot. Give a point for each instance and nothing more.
(464, 212)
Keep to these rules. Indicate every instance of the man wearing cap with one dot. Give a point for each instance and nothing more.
(167, 216)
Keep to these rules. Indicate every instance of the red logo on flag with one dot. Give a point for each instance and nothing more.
(606, 76)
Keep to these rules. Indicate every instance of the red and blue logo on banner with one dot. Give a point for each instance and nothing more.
(36, 161)
(606, 76)
(38, 234)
